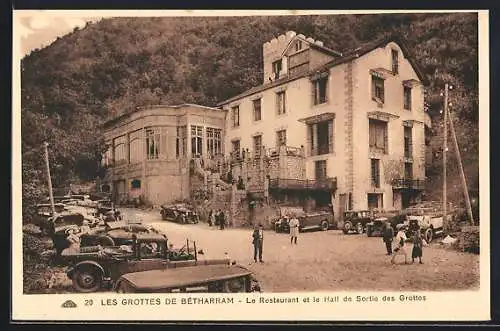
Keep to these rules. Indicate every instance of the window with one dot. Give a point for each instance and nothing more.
(375, 171)
(235, 114)
(408, 171)
(378, 136)
(135, 184)
(281, 138)
(320, 169)
(257, 145)
(214, 141)
(153, 143)
(375, 201)
(321, 137)
(407, 97)
(107, 159)
(378, 89)
(236, 147)
(120, 149)
(320, 89)
(281, 102)
(276, 68)
(136, 152)
(181, 141)
(257, 115)
(408, 141)
(298, 45)
(196, 140)
(395, 62)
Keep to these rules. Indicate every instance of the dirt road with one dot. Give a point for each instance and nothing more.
(325, 261)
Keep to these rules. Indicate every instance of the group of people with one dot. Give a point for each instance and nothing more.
(217, 218)
(400, 243)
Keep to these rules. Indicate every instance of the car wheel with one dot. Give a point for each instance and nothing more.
(87, 279)
(359, 228)
(428, 235)
(106, 241)
(324, 225)
(347, 227)
(276, 228)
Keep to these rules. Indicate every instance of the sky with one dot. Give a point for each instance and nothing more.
(36, 30)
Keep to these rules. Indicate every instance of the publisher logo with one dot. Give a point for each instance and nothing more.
(68, 304)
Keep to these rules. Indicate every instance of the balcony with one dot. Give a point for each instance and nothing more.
(327, 184)
(404, 183)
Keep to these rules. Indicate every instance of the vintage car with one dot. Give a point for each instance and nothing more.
(426, 217)
(322, 220)
(217, 278)
(114, 233)
(58, 226)
(93, 267)
(376, 226)
(179, 214)
(44, 213)
(104, 206)
(356, 220)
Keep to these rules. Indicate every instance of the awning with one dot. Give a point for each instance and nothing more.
(381, 73)
(381, 116)
(318, 118)
(410, 82)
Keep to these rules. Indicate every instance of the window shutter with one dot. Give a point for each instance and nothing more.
(386, 139)
(373, 87)
(330, 136)
(309, 140)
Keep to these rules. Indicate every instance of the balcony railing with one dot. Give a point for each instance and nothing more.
(303, 184)
(404, 183)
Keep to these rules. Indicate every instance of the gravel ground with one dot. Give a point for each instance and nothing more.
(325, 261)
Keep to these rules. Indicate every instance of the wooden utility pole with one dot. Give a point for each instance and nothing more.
(49, 180)
(462, 174)
(445, 150)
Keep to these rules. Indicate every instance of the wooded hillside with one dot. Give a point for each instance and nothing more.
(70, 87)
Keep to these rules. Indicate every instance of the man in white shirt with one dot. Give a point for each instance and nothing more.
(294, 229)
(400, 243)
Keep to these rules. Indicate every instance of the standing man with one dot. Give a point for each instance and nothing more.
(388, 236)
(222, 220)
(294, 229)
(258, 241)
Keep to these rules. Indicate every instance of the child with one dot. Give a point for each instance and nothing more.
(400, 242)
(417, 247)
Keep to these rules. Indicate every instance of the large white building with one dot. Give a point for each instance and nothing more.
(359, 117)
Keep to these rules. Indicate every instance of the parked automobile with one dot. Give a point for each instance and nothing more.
(179, 214)
(104, 206)
(428, 217)
(57, 228)
(377, 225)
(322, 220)
(44, 213)
(356, 220)
(93, 267)
(216, 278)
(115, 233)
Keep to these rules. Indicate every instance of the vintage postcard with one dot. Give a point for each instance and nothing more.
(302, 166)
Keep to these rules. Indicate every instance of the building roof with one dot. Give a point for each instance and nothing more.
(120, 117)
(346, 57)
